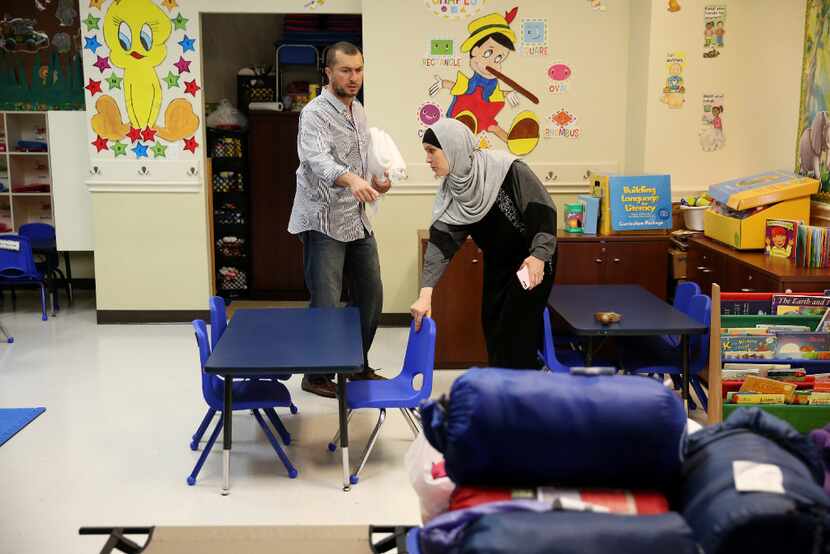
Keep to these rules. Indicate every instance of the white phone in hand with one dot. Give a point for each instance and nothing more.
(524, 277)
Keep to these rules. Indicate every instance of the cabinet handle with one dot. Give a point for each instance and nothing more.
(702, 268)
(617, 260)
(748, 290)
(598, 260)
(475, 260)
(749, 277)
(706, 271)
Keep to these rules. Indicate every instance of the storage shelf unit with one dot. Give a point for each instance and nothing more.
(25, 172)
(231, 212)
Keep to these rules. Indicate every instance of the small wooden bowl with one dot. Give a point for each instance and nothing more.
(607, 318)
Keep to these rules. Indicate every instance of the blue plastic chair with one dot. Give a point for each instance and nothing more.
(557, 361)
(218, 324)
(17, 267)
(399, 392)
(43, 238)
(682, 298)
(658, 357)
(248, 395)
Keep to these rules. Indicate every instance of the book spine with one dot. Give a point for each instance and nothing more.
(754, 398)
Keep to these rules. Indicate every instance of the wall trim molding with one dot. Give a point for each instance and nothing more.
(144, 186)
(108, 317)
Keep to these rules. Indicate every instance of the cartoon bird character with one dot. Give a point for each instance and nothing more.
(477, 100)
(136, 32)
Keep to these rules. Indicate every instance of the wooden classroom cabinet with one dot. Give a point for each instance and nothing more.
(741, 271)
(456, 300)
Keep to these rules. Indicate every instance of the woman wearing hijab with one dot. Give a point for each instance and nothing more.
(495, 198)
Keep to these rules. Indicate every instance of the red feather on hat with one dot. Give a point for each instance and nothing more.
(511, 15)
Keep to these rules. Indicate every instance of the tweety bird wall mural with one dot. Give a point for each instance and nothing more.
(140, 38)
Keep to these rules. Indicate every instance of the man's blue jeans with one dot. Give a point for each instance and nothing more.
(330, 263)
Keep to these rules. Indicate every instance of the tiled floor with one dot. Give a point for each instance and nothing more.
(112, 448)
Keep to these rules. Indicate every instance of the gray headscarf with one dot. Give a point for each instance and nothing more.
(470, 190)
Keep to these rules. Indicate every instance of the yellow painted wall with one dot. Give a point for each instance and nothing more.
(151, 248)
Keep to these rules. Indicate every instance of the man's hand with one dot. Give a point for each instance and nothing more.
(421, 307)
(535, 269)
(362, 190)
(382, 185)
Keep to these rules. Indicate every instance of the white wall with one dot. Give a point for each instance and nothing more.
(617, 57)
(759, 72)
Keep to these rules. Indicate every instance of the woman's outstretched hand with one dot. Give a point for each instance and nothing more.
(421, 307)
(535, 269)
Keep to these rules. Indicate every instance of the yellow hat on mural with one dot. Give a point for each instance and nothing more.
(489, 25)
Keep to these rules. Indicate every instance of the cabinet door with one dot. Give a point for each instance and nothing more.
(456, 309)
(740, 278)
(277, 255)
(638, 263)
(706, 267)
(580, 263)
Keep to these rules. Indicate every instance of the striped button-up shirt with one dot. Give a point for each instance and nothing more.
(331, 141)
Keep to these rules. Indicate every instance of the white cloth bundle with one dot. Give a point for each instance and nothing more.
(384, 157)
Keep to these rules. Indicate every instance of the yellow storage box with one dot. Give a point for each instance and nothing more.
(762, 189)
(749, 233)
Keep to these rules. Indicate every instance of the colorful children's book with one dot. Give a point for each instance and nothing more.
(801, 304)
(781, 238)
(737, 374)
(822, 398)
(754, 398)
(769, 386)
(748, 347)
(803, 346)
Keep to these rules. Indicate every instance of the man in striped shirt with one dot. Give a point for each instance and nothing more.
(329, 212)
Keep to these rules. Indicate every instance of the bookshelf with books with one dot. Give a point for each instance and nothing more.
(25, 172)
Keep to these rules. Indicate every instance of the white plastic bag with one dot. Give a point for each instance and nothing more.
(226, 116)
(384, 159)
(433, 493)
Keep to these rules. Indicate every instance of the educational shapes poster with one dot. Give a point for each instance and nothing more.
(473, 76)
(142, 93)
(711, 133)
(40, 56)
(454, 9)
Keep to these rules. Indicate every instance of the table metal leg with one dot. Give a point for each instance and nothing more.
(344, 429)
(589, 352)
(684, 347)
(68, 275)
(226, 436)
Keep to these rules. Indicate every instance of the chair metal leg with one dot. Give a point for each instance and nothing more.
(292, 471)
(701, 394)
(197, 436)
(333, 443)
(191, 480)
(44, 317)
(412, 427)
(368, 450)
(277, 423)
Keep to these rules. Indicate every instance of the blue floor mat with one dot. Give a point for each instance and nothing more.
(13, 420)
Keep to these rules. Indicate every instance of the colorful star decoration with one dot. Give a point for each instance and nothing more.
(180, 23)
(187, 44)
(92, 44)
(182, 65)
(114, 81)
(190, 87)
(563, 118)
(148, 135)
(140, 151)
(170, 4)
(191, 144)
(93, 87)
(91, 22)
(159, 150)
(172, 80)
(102, 64)
(100, 143)
(96, 3)
(119, 149)
(134, 134)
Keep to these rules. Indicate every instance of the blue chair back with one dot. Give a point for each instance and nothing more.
(548, 349)
(218, 320)
(37, 232)
(683, 295)
(420, 357)
(211, 384)
(18, 265)
(700, 309)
